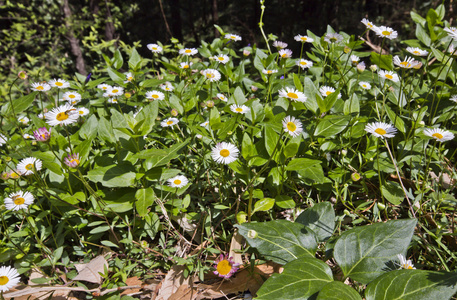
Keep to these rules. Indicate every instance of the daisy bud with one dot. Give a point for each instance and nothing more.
(127, 95)
(174, 112)
(246, 53)
(355, 176)
(381, 206)
(254, 88)
(22, 75)
(347, 49)
(209, 103)
(72, 160)
(5, 176)
(373, 68)
(42, 134)
(252, 234)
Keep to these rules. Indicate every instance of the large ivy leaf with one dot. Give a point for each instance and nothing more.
(280, 241)
(113, 175)
(336, 290)
(144, 199)
(331, 125)
(320, 219)
(301, 279)
(412, 284)
(363, 252)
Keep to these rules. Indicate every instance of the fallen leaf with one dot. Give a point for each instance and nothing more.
(89, 272)
(237, 240)
(184, 292)
(172, 281)
(132, 281)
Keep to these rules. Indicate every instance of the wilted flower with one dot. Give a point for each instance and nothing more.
(361, 67)
(174, 112)
(373, 68)
(254, 88)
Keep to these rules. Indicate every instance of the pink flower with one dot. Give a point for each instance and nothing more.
(42, 134)
(225, 266)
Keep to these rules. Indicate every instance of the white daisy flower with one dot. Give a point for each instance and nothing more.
(71, 97)
(285, 53)
(365, 85)
(3, 140)
(128, 77)
(279, 44)
(439, 134)
(82, 111)
(23, 120)
(368, 24)
(243, 109)
(204, 124)
(380, 129)
(417, 51)
(178, 181)
(221, 58)
(167, 86)
(188, 51)
(62, 115)
(292, 94)
(407, 63)
(211, 74)
(169, 122)
(405, 264)
(303, 39)
(59, 83)
(40, 87)
(18, 200)
(361, 66)
(354, 59)
(452, 32)
(327, 90)
(386, 32)
(112, 100)
(452, 50)
(155, 95)
(29, 165)
(269, 72)
(185, 65)
(27, 136)
(115, 91)
(222, 97)
(292, 126)
(304, 63)
(333, 38)
(224, 153)
(9, 278)
(104, 87)
(389, 75)
(453, 98)
(154, 48)
(233, 37)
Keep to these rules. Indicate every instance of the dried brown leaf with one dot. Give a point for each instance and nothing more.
(89, 272)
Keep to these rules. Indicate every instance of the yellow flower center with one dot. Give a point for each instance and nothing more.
(19, 200)
(177, 182)
(233, 37)
(239, 109)
(380, 131)
(115, 91)
(437, 135)
(40, 88)
(416, 52)
(59, 83)
(129, 78)
(29, 167)
(303, 38)
(74, 161)
(292, 95)
(405, 64)
(186, 67)
(154, 48)
(209, 75)
(224, 153)
(328, 93)
(71, 96)
(224, 267)
(81, 112)
(284, 55)
(155, 96)
(105, 87)
(188, 51)
(62, 116)
(4, 280)
(303, 63)
(291, 126)
(385, 32)
(269, 72)
(388, 76)
(220, 58)
(14, 175)
(369, 25)
(364, 85)
(169, 122)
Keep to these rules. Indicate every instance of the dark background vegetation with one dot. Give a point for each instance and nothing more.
(58, 37)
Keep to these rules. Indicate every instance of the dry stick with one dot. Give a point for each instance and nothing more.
(399, 178)
(165, 18)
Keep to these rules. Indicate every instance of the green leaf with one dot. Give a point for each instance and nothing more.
(412, 285)
(382, 61)
(19, 104)
(152, 224)
(352, 105)
(301, 279)
(336, 290)
(311, 91)
(291, 149)
(109, 244)
(99, 229)
(116, 76)
(418, 18)
(396, 120)
(89, 128)
(264, 205)
(247, 147)
(393, 192)
(163, 159)
(280, 241)
(297, 82)
(284, 201)
(301, 164)
(239, 96)
(314, 174)
(121, 175)
(363, 252)
(330, 100)
(271, 139)
(148, 114)
(320, 219)
(134, 60)
(331, 125)
(118, 61)
(144, 199)
(105, 131)
(422, 35)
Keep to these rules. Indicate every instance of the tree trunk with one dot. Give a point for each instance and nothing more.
(215, 18)
(109, 26)
(74, 42)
